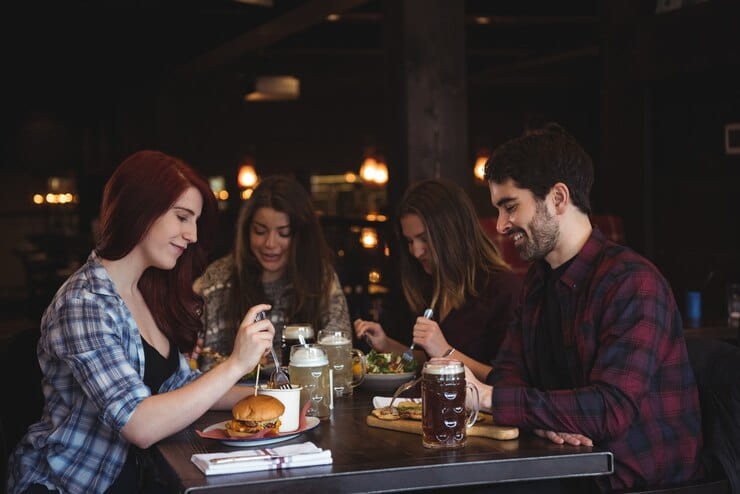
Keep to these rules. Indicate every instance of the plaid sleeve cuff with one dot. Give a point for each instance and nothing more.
(507, 405)
(121, 407)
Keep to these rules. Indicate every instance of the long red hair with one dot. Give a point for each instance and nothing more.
(141, 190)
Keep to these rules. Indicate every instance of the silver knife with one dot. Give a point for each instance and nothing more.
(238, 459)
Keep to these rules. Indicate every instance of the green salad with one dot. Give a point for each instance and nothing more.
(388, 363)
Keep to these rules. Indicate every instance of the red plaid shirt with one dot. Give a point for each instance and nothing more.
(634, 392)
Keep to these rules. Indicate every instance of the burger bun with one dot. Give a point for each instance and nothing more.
(258, 408)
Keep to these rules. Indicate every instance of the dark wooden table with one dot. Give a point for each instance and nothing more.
(371, 459)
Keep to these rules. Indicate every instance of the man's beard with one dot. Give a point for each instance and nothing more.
(544, 232)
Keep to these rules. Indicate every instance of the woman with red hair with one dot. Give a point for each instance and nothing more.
(115, 380)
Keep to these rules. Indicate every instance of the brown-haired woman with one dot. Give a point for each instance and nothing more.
(115, 381)
(279, 256)
(451, 266)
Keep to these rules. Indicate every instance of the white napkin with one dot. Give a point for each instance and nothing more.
(290, 456)
(384, 401)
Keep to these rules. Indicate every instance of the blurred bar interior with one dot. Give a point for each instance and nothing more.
(357, 99)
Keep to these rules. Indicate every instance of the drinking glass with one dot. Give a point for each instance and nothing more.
(291, 336)
(445, 419)
(309, 368)
(338, 346)
(733, 305)
(291, 399)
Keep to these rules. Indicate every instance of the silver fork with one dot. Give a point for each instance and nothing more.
(278, 379)
(408, 355)
(403, 387)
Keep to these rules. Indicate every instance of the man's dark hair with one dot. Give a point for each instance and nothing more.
(540, 159)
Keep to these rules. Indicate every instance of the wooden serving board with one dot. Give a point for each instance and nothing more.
(484, 427)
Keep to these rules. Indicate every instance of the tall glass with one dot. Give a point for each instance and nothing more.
(733, 305)
(338, 346)
(309, 368)
(292, 336)
(445, 419)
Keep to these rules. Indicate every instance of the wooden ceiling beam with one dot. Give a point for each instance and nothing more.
(535, 63)
(529, 20)
(294, 21)
(484, 19)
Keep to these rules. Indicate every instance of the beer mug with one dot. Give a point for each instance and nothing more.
(338, 346)
(444, 419)
(309, 368)
(291, 336)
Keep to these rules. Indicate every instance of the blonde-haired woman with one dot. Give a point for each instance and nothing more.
(451, 266)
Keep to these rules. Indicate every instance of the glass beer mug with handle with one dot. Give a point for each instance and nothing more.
(445, 419)
(309, 368)
(292, 334)
(338, 346)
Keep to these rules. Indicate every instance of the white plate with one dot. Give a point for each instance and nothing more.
(391, 376)
(311, 423)
(386, 383)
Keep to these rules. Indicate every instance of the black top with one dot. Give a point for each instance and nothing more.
(479, 326)
(550, 351)
(157, 369)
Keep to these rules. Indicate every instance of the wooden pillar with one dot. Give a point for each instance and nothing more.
(427, 132)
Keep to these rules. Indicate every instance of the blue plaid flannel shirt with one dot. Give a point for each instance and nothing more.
(92, 361)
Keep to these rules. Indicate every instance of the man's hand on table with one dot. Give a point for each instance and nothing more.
(564, 437)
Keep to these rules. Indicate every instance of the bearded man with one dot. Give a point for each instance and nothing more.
(596, 353)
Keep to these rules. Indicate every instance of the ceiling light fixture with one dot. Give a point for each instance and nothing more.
(261, 3)
(479, 169)
(247, 176)
(274, 88)
(374, 170)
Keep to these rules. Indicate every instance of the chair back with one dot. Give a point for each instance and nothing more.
(716, 366)
(611, 226)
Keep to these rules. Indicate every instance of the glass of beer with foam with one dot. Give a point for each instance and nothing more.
(309, 368)
(445, 418)
(338, 346)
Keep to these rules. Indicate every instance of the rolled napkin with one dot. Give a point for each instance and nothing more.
(384, 401)
(252, 460)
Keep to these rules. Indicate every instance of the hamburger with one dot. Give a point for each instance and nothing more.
(255, 414)
(409, 410)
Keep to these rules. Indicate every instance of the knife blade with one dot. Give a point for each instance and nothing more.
(238, 459)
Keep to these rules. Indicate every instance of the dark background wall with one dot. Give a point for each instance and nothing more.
(648, 96)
